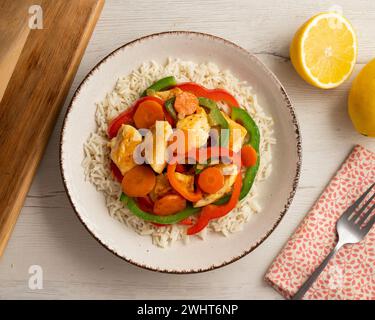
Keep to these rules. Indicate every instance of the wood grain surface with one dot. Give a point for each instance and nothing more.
(14, 30)
(33, 97)
(74, 265)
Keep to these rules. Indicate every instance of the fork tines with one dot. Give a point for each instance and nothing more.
(359, 215)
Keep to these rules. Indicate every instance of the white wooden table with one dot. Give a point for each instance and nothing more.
(74, 265)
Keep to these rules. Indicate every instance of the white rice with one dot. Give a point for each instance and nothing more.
(126, 91)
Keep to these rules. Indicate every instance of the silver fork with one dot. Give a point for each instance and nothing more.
(351, 228)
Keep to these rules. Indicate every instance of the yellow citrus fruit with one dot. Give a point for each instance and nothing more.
(324, 50)
(361, 103)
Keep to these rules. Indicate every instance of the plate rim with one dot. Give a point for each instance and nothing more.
(288, 105)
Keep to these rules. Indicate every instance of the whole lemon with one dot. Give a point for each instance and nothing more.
(361, 104)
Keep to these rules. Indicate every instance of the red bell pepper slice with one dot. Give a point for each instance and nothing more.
(180, 168)
(126, 117)
(192, 196)
(186, 222)
(116, 172)
(212, 211)
(213, 94)
(145, 204)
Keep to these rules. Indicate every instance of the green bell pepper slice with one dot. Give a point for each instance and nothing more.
(170, 108)
(171, 219)
(215, 118)
(162, 84)
(241, 116)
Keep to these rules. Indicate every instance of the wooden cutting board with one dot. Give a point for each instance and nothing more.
(37, 66)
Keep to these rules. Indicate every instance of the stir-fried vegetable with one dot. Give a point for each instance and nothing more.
(245, 119)
(212, 211)
(248, 156)
(145, 204)
(242, 117)
(170, 109)
(183, 106)
(138, 182)
(171, 219)
(215, 153)
(147, 113)
(179, 187)
(213, 94)
(169, 204)
(199, 167)
(211, 180)
(126, 117)
(214, 117)
(168, 117)
(162, 84)
(180, 168)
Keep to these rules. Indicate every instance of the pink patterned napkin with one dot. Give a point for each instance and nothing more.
(351, 272)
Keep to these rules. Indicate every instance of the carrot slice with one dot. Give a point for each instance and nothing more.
(248, 156)
(211, 180)
(138, 181)
(169, 204)
(213, 211)
(186, 104)
(147, 114)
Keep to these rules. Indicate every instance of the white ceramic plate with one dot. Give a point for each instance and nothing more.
(275, 194)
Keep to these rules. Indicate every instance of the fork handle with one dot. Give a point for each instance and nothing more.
(308, 283)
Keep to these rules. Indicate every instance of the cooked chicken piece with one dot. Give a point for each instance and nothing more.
(160, 134)
(122, 147)
(230, 173)
(237, 134)
(196, 127)
(161, 188)
(167, 94)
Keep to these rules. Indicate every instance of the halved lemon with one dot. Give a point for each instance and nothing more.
(324, 50)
